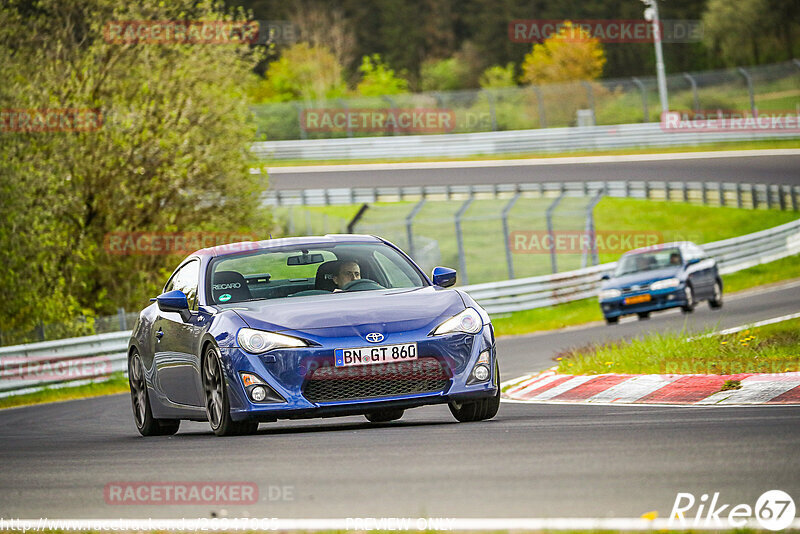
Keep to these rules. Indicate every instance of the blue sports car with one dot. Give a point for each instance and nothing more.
(308, 327)
(657, 278)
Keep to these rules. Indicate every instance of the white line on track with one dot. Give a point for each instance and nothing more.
(526, 162)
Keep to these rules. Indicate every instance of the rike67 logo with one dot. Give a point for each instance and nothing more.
(773, 510)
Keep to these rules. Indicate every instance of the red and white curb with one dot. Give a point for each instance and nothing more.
(549, 386)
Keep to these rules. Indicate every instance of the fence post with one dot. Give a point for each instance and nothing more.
(123, 321)
(590, 96)
(647, 190)
(782, 197)
(645, 112)
(667, 190)
(410, 222)
(462, 257)
(693, 83)
(768, 190)
(549, 215)
(685, 192)
(704, 189)
(738, 194)
(793, 190)
(753, 196)
(492, 114)
(392, 106)
(721, 192)
(540, 102)
(590, 232)
(749, 80)
(299, 108)
(504, 215)
(40, 331)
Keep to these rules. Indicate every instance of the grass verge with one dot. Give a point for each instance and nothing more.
(116, 384)
(772, 348)
(736, 145)
(588, 310)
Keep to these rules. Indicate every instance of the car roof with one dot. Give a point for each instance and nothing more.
(266, 244)
(660, 246)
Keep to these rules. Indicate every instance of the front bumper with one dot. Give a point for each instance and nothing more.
(659, 300)
(289, 372)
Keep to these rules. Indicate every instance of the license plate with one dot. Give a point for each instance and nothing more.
(377, 354)
(637, 299)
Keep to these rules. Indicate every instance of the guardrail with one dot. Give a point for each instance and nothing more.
(732, 255)
(30, 367)
(27, 368)
(508, 142)
(741, 195)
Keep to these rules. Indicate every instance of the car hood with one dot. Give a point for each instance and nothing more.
(396, 309)
(642, 277)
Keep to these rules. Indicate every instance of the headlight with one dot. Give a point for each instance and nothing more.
(468, 321)
(258, 341)
(609, 294)
(664, 284)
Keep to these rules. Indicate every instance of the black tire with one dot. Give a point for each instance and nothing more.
(716, 301)
(478, 410)
(612, 320)
(643, 315)
(384, 416)
(690, 300)
(215, 391)
(146, 424)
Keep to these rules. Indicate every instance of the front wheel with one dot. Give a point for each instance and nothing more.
(218, 407)
(146, 424)
(612, 320)
(478, 410)
(643, 315)
(690, 302)
(716, 301)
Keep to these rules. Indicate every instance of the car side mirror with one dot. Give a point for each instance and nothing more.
(605, 277)
(444, 276)
(174, 301)
(693, 261)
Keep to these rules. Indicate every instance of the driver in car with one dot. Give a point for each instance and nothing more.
(348, 271)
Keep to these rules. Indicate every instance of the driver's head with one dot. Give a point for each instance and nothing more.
(347, 272)
(675, 258)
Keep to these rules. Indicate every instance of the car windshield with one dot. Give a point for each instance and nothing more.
(309, 270)
(649, 261)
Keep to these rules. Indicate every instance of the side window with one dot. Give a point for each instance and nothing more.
(186, 279)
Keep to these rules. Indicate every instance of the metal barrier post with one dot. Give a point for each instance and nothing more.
(504, 215)
(749, 80)
(550, 234)
(721, 192)
(782, 197)
(753, 196)
(685, 192)
(793, 190)
(645, 112)
(410, 222)
(462, 259)
(696, 100)
(738, 195)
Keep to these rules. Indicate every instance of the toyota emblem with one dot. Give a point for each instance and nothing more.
(374, 337)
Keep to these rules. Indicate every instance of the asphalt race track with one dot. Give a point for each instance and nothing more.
(720, 167)
(530, 461)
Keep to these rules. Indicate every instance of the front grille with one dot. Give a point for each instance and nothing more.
(329, 384)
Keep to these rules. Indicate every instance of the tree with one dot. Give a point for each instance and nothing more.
(303, 72)
(498, 77)
(742, 31)
(444, 74)
(571, 54)
(378, 79)
(169, 155)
